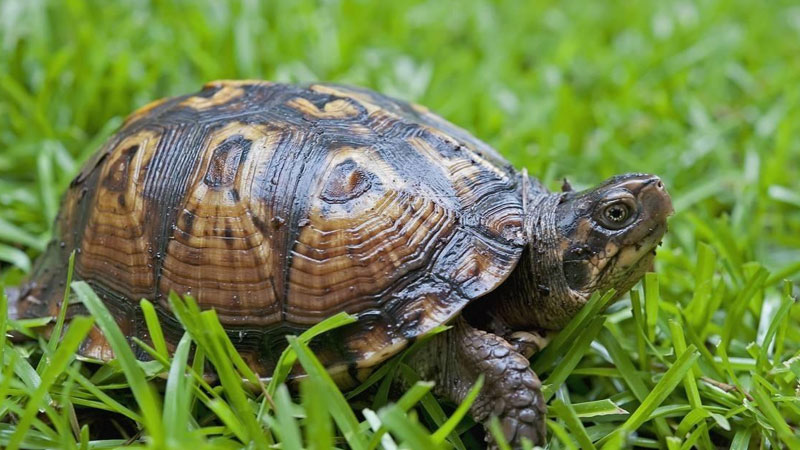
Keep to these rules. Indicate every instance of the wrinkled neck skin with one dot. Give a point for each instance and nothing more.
(536, 295)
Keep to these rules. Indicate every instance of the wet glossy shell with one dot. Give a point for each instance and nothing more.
(279, 206)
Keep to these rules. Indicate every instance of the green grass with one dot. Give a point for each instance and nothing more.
(705, 94)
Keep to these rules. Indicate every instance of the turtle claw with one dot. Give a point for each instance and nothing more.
(528, 343)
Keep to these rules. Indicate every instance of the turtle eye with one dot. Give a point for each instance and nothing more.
(617, 214)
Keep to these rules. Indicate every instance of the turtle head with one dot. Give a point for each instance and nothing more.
(608, 234)
(578, 243)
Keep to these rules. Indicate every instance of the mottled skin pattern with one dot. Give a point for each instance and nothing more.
(280, 205)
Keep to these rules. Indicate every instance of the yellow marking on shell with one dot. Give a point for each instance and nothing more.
(456, 167)
(420, 109)
(222, 96)
(143, 111)
(217, 253)
(235, 83)
(356, 129)
(337, 109)
(363, 99)
(371, 357)
(114, 245)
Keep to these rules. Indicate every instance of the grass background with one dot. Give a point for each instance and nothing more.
(704, 93)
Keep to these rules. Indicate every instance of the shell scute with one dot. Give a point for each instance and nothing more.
(114, 244)
(217, 253)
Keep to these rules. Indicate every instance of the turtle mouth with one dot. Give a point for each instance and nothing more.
(634, 252)
(631, 262)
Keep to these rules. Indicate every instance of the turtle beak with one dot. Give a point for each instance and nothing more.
(655, 199)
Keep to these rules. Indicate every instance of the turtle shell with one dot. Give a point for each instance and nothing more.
(280, 205)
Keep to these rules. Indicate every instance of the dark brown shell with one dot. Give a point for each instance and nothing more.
(279, 206)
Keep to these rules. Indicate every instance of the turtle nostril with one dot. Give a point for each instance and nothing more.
(660, 185)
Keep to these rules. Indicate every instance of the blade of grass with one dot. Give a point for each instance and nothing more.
(154, 327)
(566, 413)
(783, 326)
(561, 433)
(55, 335)
(690, 382)
(318, 429)
(708, 358)
(662, 389)
(15, 235)
(639, 322)
(773, 415)
(24, 371)
(703, 283)
(337, 404)
(178, 393)
(741, 439)
(572, 356)
(288, 429)
(288, 357)
(98, 393)
(786, 304)
(673, 443)
(381, 397)
(67, 423)
(16, 257)
(78, 330)
(651, 300)
(629, 374)
(3, 321)
(412, 396)
(783, 274)
(46, 183)
(417, 392)
(410, 432)
(733, 319)
(615, 440)
(692, 440)
(215, 341)
(565, 338)
(431, 405)
(208, 334)
(32, 440)
(597, 408)
(381, 437)
(462, 410)
(694, 417)
(231, 420)
(145, 397)
(497, 433)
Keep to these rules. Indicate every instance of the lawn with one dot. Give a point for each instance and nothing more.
(706, 94)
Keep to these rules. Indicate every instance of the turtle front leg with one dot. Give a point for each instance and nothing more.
(511, 391)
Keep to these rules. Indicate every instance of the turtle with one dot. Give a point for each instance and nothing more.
(279, 205)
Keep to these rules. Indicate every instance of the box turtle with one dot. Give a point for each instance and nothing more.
(280, 205)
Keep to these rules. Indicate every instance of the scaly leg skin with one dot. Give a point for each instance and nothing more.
(511, 391)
